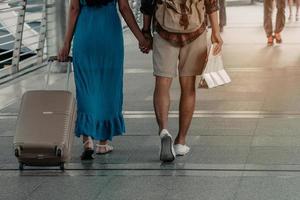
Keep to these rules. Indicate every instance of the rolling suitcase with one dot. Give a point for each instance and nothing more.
(45, 125)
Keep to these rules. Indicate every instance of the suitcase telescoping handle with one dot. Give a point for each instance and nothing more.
(55, 58)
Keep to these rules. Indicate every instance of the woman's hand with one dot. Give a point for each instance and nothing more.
(73, 15)
(64, 52)
(218, 43)
(125, 10)
(145, 44)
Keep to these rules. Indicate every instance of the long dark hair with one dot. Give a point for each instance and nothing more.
(97, 3)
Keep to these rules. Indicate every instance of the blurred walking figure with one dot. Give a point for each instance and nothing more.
(280, 20)
(291, 3)
(222, 14)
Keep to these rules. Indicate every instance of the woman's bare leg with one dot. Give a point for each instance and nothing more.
(87, 145)
(103, 147)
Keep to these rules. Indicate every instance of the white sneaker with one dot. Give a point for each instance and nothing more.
(167, 153)
(181, 150)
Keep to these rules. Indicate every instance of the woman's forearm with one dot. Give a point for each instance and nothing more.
(73, 15)
(213, 18)
(131, 22)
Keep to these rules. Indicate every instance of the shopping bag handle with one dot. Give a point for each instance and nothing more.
(55, 58)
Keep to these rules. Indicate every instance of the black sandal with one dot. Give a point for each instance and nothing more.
(88, 153)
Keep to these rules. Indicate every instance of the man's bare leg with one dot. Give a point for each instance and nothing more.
(161, 101)
(186, 107)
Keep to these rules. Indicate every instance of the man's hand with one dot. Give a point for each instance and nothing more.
(218, 43)
(146, 30)
(146, 46)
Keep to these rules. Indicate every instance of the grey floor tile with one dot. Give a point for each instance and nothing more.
(138, 188)
(274, 155)
(75, 188)
(12, 108)
(273, 107)
(7, 151)
(7, 126)
(145, 155)
(209, 188)
(220, 155)
(144, 126)
(6, 100)
(230, 123)
(18, 188)
(265, 188)
(238, 105)
(220, 132)
(233, 92)
(289, 141)
(278, 126)
(199, 126)
(224, 141)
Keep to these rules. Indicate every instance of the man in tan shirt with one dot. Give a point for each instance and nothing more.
(280, 20)
(178, 54)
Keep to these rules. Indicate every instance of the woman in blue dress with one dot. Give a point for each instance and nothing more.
(98, 54)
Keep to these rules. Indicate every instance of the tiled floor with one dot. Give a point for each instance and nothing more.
(245, 140)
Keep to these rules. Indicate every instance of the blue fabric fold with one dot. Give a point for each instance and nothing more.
(88, 125)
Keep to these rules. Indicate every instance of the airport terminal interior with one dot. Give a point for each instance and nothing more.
(244, 138)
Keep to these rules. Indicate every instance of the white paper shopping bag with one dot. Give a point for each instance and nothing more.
(217, 78)
(208, 80)
(214, 73)
(223, 74)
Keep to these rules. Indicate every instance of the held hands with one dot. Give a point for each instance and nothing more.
(145, 44)
(64, 53)
(217, 40)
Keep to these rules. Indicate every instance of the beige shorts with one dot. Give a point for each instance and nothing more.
(169, 60)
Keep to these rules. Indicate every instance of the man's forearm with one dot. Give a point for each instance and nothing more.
(147, 22)
(213, 18)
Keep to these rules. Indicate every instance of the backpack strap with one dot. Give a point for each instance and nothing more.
(184, 20)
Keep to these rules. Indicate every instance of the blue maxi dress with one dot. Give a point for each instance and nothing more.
(98, 56)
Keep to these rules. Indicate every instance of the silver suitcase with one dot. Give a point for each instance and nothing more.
(45, 126)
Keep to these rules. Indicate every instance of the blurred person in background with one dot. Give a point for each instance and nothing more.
(274, 34)
(291, 3)
(222, 14)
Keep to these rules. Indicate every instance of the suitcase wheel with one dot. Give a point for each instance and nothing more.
(21, 166)
(17, 154)
(62, 166)
(59, 152)
(18, 151)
